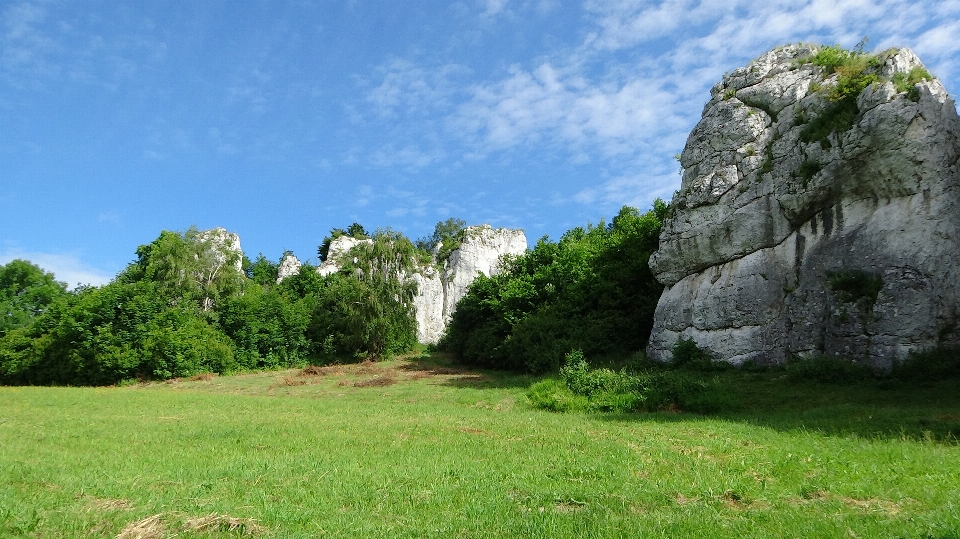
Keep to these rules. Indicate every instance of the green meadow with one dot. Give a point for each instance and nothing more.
(419, 447)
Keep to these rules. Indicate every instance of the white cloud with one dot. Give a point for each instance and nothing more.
(637, 190)
(66, 267)
(550, 104)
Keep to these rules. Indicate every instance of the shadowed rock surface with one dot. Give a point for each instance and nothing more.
(785, 243)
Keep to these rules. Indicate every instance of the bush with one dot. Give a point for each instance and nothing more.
(179, 344)
(828, 369)
(605, 390)
(593, 290)
(686, 353)
(927, 365)
(554, 395)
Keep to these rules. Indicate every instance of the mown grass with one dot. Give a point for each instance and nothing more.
(421, 448)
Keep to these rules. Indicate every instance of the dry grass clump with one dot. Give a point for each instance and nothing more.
(107, 504)
(149, 528)
(223, 523)
(387, 378)
(153, 527)
(204, 377)
(313, 370)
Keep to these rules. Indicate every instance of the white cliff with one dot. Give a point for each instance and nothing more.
(438, 291)
(789, 240)
(289, 266)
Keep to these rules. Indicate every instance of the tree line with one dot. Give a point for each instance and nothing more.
(183, 307)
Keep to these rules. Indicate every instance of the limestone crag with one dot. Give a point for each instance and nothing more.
(480, 252)
(224, 246)
(789, 241)
(438, 291)
(289, 266)
(339, 248)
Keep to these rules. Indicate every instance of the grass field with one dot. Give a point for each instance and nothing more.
(420, 448)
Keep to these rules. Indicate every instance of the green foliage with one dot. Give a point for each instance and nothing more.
(855, 286)
(267, 328)
(828, 369)
(179, 343)
(554, 395)
(448, 235)
(929, 365)
(907, 82)
(188, 268)
(355, 230)
(262, 271)
(104, 335)
(592, 290)
(838, 117)
(832, 57)
(686, 353)
(856, 71)
(606, 390)
(25, 292)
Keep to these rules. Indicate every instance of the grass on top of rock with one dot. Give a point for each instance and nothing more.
(855, 71)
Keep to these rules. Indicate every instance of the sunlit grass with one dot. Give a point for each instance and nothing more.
(416, 448)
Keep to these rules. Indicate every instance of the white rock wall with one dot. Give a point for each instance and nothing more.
(747, 256)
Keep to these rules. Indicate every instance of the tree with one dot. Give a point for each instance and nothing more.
(355, 230)
(26, 291)
(194, 267)
(447, 235)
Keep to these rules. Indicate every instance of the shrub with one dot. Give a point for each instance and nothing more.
(828, 369)
(934, 364)
(855, 286)
(686, 353)
(554, 395)
(605, 390)
(593, 290)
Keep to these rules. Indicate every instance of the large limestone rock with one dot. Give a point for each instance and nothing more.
(223, 246)
(289, 266)
(439, 291)
(785, 244)
(480, 252)
(339, 248)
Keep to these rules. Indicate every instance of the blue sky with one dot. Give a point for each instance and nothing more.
(281, 119)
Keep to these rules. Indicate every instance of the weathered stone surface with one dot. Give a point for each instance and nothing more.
(289, 266)
(428, 305)
(225, 246)
(339, 248)
(480, 252)
(763, 220)
(439, 291)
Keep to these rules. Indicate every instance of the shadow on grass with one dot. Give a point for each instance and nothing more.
(884, 409)
(464, 376)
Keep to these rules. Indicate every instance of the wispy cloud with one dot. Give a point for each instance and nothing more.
(66, 267)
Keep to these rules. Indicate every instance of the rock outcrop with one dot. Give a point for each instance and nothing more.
(223, 246)
(799, 231)
(439, 290)
(480, 252)
(289, 266)
(339, 247)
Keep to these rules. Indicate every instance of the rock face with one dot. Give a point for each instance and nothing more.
(480, 252)
(225, 246)
(339, 248)
(438, 291)
(289, 266)
(786, 241)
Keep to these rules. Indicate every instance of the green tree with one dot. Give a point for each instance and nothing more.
(593, 290)
(447, 235)
(26, 291)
